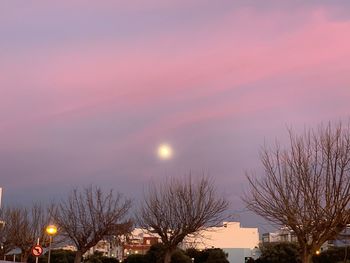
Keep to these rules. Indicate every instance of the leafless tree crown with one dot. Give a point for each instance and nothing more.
(307, 186)
(90, 215)
(180, 207)
(23, 227)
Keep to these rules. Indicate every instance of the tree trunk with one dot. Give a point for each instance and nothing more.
(24, 256)
(306, 256)
(167, 255)
(78, 257)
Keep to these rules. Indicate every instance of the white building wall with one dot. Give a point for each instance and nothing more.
(236, 241)
(230, 235)
(237, 255)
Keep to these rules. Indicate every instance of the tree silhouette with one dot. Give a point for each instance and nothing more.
(306, 187)
(88, 216)
(176, 208)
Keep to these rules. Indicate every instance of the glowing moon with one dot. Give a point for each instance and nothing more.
(165, 152)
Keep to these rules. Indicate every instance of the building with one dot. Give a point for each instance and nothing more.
(108, 247)
(286, 235)
(68, 248)
(281, 235)
(342, 240)
(138, 242)
(237, 242)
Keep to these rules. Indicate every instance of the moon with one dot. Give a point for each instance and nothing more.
(165, 151)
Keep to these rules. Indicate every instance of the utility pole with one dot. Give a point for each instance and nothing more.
(0, 196)
(2, 223)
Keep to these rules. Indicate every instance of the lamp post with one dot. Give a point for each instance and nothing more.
(51, 230)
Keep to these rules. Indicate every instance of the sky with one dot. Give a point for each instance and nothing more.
(89, 89)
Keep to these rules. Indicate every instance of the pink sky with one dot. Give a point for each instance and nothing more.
(89, 90)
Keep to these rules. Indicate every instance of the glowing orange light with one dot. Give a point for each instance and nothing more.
(51, 230)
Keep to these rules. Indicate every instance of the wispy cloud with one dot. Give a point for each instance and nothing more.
(90, 87)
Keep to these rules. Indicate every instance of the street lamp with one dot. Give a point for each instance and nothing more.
(51, 230)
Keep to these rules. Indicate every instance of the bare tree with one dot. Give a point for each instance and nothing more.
(24, 227)
(177, 208)
(90, 215)
(5, 242)
(306, 187)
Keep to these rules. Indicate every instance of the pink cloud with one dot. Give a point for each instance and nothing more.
(189, 63)
(94, 106)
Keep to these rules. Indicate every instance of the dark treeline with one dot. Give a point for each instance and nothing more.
(172, 209)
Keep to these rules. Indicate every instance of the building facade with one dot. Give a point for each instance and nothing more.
(281, 235)
(138, 242)
(286, 235)
(237, 242)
